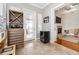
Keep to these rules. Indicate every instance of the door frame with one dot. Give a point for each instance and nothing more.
(53, 32)
(34, 18)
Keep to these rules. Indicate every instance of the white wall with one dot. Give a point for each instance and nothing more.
(48, 11)
(70, 20)
(39, 26)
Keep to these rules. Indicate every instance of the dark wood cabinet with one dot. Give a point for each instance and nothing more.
(59, 30)
(16, 37)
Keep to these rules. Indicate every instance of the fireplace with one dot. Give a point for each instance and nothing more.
(45, 36)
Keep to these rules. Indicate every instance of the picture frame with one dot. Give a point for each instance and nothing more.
(46, 19)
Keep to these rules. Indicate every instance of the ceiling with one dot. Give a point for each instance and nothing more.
(39, 5)
(68, 8)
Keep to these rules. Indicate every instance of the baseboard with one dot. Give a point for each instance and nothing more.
(37, 38)
(52, 41)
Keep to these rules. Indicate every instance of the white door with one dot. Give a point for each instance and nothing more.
(29, 31)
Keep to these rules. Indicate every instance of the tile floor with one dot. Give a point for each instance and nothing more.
(38, 48)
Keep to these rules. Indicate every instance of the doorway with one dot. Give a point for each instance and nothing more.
(59, 30)
(29, 26)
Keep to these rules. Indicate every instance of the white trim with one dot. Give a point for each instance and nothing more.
(59, 6)
(53, 17)
(38, 6)
(35, 23)
(37, 38)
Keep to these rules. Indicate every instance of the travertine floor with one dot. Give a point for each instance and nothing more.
(38, 48)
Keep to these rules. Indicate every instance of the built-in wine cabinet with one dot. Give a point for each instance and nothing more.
(15, 30)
